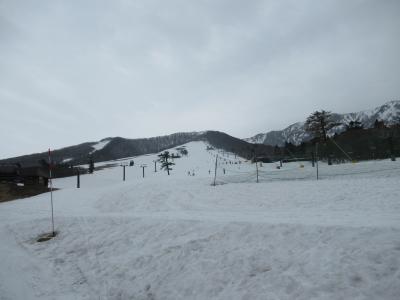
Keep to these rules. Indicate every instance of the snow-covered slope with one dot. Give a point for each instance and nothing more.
(178, 237)
(295, 134)
(100, 145)
(118, 147)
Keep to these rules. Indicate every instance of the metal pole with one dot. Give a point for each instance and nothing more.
(313, 159)
(215, 170)
(256, 168)
(316, 159)
(51, 196)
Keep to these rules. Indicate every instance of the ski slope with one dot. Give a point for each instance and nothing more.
(178, 237)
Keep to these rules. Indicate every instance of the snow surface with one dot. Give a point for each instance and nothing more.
(100, 145)
(178, 237)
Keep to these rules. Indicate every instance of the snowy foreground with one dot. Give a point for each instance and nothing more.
(178, 237)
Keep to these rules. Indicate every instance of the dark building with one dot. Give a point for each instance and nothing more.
(379, 124)
(33, 174)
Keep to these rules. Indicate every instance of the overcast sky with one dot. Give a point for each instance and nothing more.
(77, 71)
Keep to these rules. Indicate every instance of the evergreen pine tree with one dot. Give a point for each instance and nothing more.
(91, 165)
(165, 164)
(319, 123)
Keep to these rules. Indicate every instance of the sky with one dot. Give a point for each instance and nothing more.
(77, 71)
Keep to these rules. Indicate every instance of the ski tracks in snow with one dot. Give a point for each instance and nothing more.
(21, 275)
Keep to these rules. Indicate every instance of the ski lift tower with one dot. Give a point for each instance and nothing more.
(143, 166)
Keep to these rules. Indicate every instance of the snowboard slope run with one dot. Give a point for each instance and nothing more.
(178, 237)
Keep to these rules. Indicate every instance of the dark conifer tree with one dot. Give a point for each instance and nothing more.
(319, 123)
(91, 165)
(353, 125)
(165, 164)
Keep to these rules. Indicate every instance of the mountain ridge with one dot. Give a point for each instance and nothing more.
(112, 148)
(262, 144)
(296, 133)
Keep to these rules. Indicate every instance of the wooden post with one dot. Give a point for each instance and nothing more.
(123, 176)
(78, 180)
(155, 166)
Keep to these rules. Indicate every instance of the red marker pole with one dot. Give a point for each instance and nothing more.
(51, 194)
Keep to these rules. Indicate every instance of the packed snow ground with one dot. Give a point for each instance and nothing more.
(178, 237)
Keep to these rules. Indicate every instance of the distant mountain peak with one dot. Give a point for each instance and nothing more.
(296, 132)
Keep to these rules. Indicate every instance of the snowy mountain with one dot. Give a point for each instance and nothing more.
(296, 133)
(109, 148)
(118, 147)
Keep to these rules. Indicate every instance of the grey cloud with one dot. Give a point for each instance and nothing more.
(89, 69)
